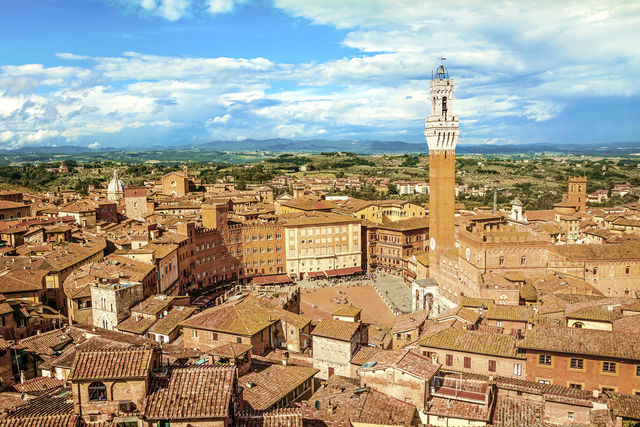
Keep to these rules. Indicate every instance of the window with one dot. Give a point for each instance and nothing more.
(501, 261)
(544, 359)
(577, 363)
(239, 340)
(575, 386)
(523, 261)
(570, 416)
(195, 333)
(499, 323)
(97, 392)
(467, 362)
(517, 369)
(637, 370)
(492, 365)
(449, 359)
(607, 389)
(627, 270)
(544, 381)
(214, 336)
(609, 367)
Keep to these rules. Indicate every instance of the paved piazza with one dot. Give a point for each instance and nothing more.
(320, 298)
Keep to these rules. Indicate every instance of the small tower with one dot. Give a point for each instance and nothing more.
(441, 131)
(577, 194)
(516, 210)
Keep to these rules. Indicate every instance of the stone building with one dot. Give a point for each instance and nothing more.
(248, 320)
(111, 302)
(10, 210)
(108, 383)
(402, 374)
(135, 202)
(334, 344)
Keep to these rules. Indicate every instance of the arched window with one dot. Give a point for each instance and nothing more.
(97, 391)
(578, 325)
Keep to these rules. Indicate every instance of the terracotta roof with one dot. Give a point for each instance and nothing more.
(517, 412)
(414, 223)
(363, 354)
(472, 341)
(347, 311)
(192, 393)
(231, 350)
(583, 341)
(404, 360)
(627, 324)
(49, 410)
(264, 389)
(246, 316)
(518, 313)
(342, 405)
(172, 320)
(38, 385)
(111, 364)
(452, 408)
(614, 251)
(599, 313)
(47, 343)
(317, 218)
(624, 405)
(336, 329)
(284, 417)
(136, 325)
(410, 321)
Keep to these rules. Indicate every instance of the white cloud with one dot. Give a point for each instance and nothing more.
(526, 69)
(220, 6)
(95, 144)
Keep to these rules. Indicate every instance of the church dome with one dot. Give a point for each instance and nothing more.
(115, 186)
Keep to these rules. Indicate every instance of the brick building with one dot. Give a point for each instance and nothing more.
(585, 359)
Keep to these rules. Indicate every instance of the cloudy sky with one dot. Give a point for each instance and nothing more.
(105, 73)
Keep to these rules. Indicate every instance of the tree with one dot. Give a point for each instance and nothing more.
(392, 188)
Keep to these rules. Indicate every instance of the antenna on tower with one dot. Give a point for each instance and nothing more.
(442, 57)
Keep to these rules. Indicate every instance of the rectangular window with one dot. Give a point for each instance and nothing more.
(577, 363)
(637, 370)
(544, 359)
(517, 369)
(467, 362)
(195, 333)
(449, 359)
(492, 365)
(608, 389)
(575, 386)
(609, 367)
(544, 381)
(214, 336)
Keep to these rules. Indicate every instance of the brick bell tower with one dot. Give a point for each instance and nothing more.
(441, 131)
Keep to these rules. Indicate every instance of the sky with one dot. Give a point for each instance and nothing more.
(143, 73)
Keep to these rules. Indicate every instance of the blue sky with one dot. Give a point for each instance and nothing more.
(123, 73)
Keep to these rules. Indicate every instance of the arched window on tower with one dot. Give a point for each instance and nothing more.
(444, 105)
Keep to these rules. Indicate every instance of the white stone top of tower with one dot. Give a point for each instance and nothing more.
(441, 126)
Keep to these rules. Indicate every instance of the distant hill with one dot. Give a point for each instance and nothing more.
(360, 147)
